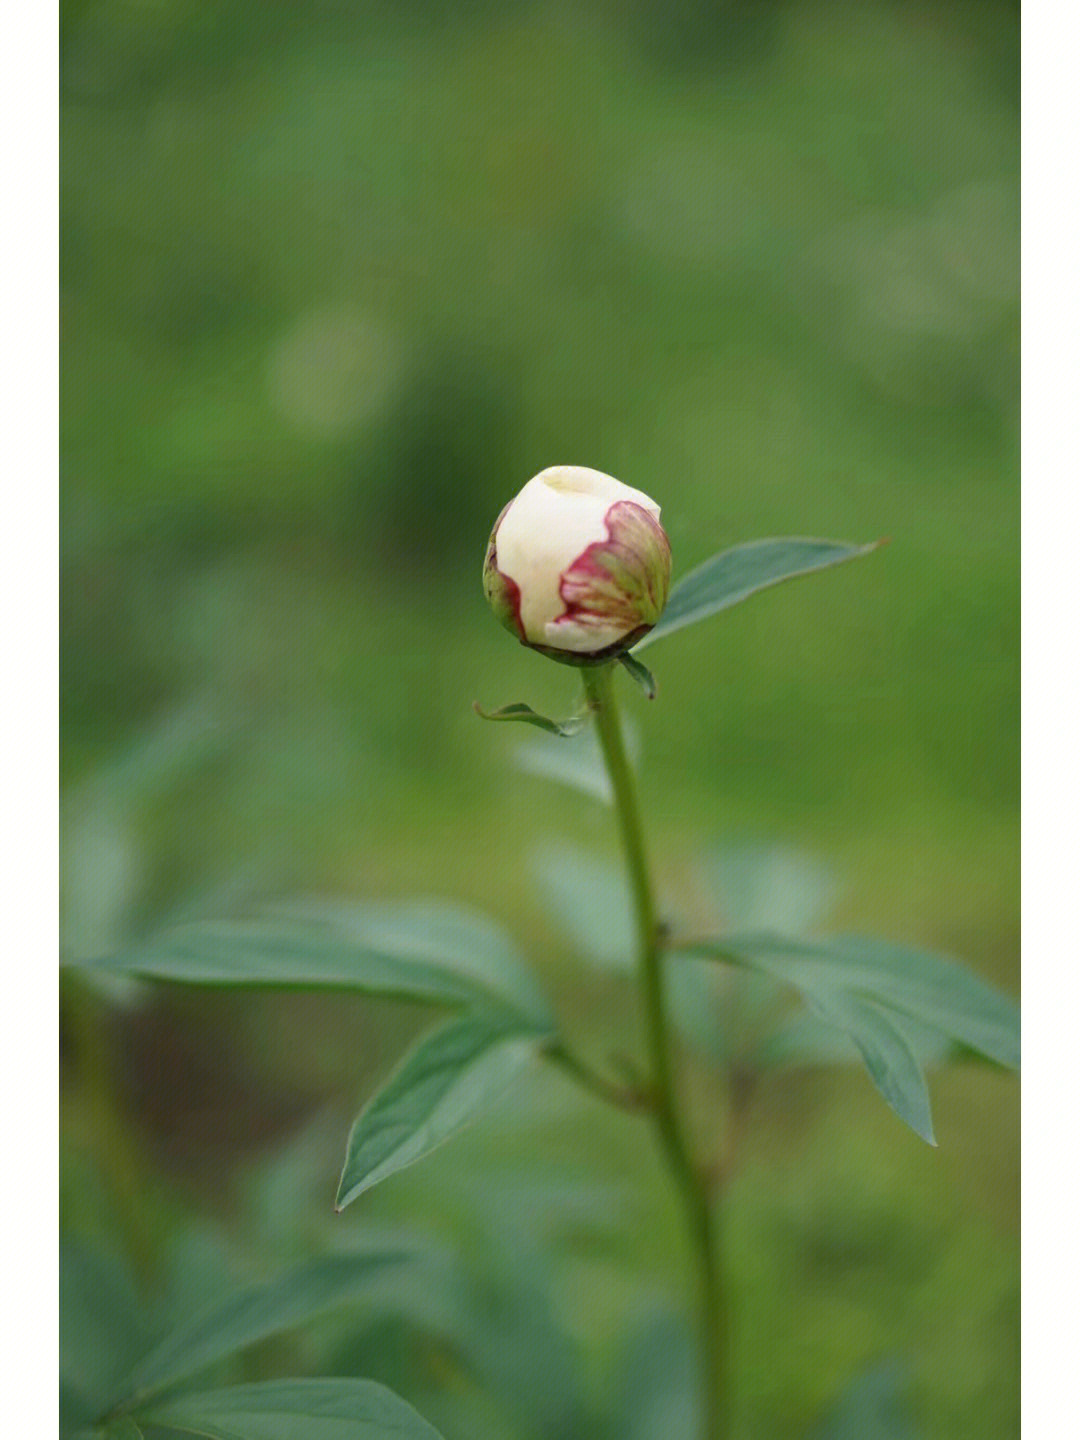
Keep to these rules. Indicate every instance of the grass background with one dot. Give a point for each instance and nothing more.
(338, 278)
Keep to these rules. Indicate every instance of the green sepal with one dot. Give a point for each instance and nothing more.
(640, 673)
(566, 729)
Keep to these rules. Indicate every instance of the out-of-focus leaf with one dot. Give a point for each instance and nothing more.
(102, 1329)
(763, 886)
(656, 1393)
(526, 715)
(423, 952)
(872, 1408)
(439, 1087)
(719, 1010)
(291, 1409)
(638, 673)
(736, 574)
(226, 1327)
(590, 898)
(579, 764)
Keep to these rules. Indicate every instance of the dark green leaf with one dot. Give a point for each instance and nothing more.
(450, 1075)
(294, 1410)
(423, 951)
(567, 729)
(224, 1328)
(637, 671)
(740, 572)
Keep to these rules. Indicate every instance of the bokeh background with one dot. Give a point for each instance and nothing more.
(337, 279)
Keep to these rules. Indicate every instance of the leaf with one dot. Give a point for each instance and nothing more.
(656, 1385)
(872, 1408)
(638, 672)
(759, 885)
(102, 1327)
(886, 1052)
(935, 991)
(805, 1039)
(225, 1327)
(736, 574)
(590, 897)
(450, 1075)
(892, 1001)
(423, 952)
(567, 729)
(579, 764)
(294, 1410)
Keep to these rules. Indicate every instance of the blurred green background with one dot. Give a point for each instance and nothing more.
(337, 279)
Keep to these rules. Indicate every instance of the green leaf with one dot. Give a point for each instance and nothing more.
(422, 951)
(886, 1052)
(450, 1075)
(933, 990)
(294, 1410)
(226, 1327)
(567, 729)
(759, 885)
(894, 1002)
(736, 574)
(103, 1326)
(872, 1408)
(638, 672)
(805, 1039)
(590, 897)
(578, 764)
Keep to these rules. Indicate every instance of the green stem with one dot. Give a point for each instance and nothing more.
(691, 1184)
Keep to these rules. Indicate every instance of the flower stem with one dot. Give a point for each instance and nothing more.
(691, 1184)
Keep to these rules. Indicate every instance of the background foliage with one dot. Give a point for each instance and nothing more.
(338, 278)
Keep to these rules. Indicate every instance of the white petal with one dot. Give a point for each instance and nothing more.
(554, 518)
(582, 639)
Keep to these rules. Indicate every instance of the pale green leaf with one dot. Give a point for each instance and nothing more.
(417, 951)
(294, 1410)
(934, 990)
(892, 1001)
(226, 1327)
(873, 1407)
(738, 573)
(442, 1083)
(885, 1050)
(589, 896)
(760, 885)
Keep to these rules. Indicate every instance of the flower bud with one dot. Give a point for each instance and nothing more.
(578, 565)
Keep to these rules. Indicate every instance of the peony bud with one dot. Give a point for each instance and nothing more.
(578, 565)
